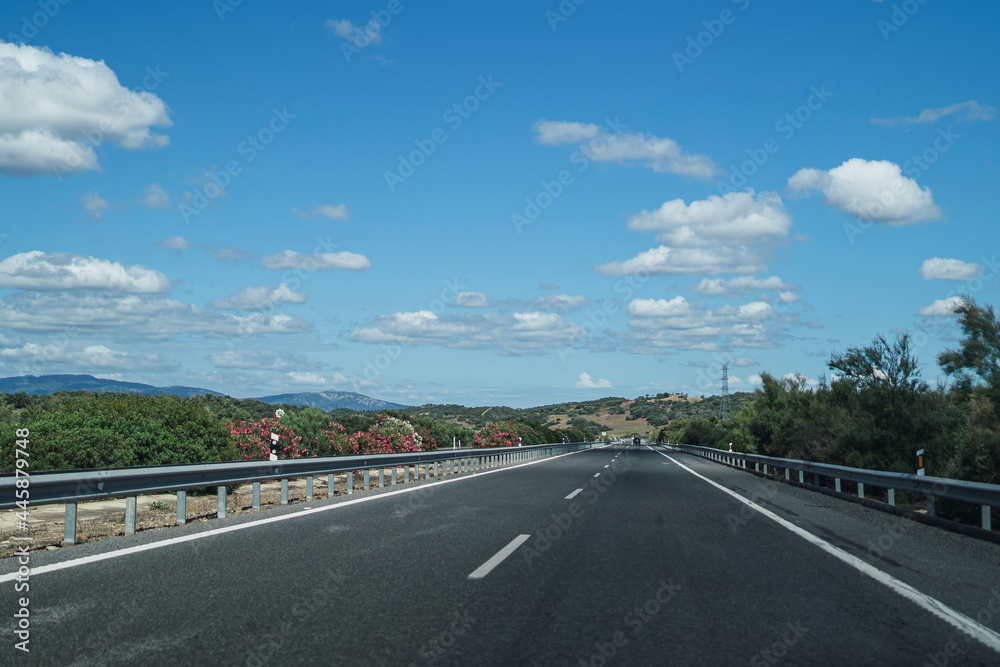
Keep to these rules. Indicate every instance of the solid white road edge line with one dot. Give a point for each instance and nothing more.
(955, 618)
(498, 557)
(54, 567)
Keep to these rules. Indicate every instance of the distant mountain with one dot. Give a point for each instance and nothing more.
(48, 384)
(333, 400)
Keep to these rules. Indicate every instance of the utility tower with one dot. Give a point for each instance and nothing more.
(725, 407)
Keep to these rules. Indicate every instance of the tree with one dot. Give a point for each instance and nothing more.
(979, 353)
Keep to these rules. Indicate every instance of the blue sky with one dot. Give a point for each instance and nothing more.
(516, 204)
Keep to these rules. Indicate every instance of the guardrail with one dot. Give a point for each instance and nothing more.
(74, 486)
(985, 495)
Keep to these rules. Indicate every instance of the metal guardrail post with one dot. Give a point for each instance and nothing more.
(381, 477)
(861, 490)
(836, 484)
(392, 480)
(221, 505)
(406, 474)
(802, 477)
(130, 505)
(284, 490)
(182, 507)
(930, 506)
(367, 476)
(986, 517)
(69, 529)
(892, 496)
(309, 487)
(330, 485)
(256, 495)
(350, 482)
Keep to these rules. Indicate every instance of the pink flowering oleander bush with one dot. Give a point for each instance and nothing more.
(505, 434)
(253, 440)
(386, 436)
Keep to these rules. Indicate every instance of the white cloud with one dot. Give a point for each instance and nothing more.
(661, 154)
(261, 361)
(585, 382)
(561, 302)
(305, 379)
(936, 268)
(259, 298)
(689, 262)
(755, 379)
(320, 261)
(941, 307)
(735, 219)
(95, 205)
(660, 325)
(36, 270)
(870, 190)
(50, 101)
(228, 254)
(718, 235)
(741, 285)
(518, 333)
(89, 357)
(154, 196)
(964, 112)
(471, 300)
(175, 243)
(155, 318)
(359, 37)
(557, 133)
(328, 211)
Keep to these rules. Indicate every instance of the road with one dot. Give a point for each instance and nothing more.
(614, 556)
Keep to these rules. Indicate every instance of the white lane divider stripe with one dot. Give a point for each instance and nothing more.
(573, 495)
(498, 557)
(597, 474)
(955, 618)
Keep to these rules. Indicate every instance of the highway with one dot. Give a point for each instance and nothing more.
(611, 556)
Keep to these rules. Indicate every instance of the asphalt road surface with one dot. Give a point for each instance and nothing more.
(610, 556)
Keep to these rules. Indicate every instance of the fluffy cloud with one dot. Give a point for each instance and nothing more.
(259, 298)
(471, 300)
(561, 302)
(738, 218)
(586, 382)
(175, 243)
(154, 196)
(36, 270)
(50, 101)
(320, 261)
(228, 254)
(870, 190)
(964, 112)
(660, 325)
(515, 334)
(689, 262)
(742, 285)
(941, 307)
(328, 211)
(266, 361)
(949, 269)
(660, 154)
(718, 235)
(50, 355)
(359, 37)
(95, 205)
(154, 318)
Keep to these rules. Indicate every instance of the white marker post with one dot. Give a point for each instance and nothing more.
(920, 462)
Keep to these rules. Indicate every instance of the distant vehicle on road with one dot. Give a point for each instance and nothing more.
(637, 440)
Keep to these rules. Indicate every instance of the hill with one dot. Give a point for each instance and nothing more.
(333, 400)
(49, 384)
